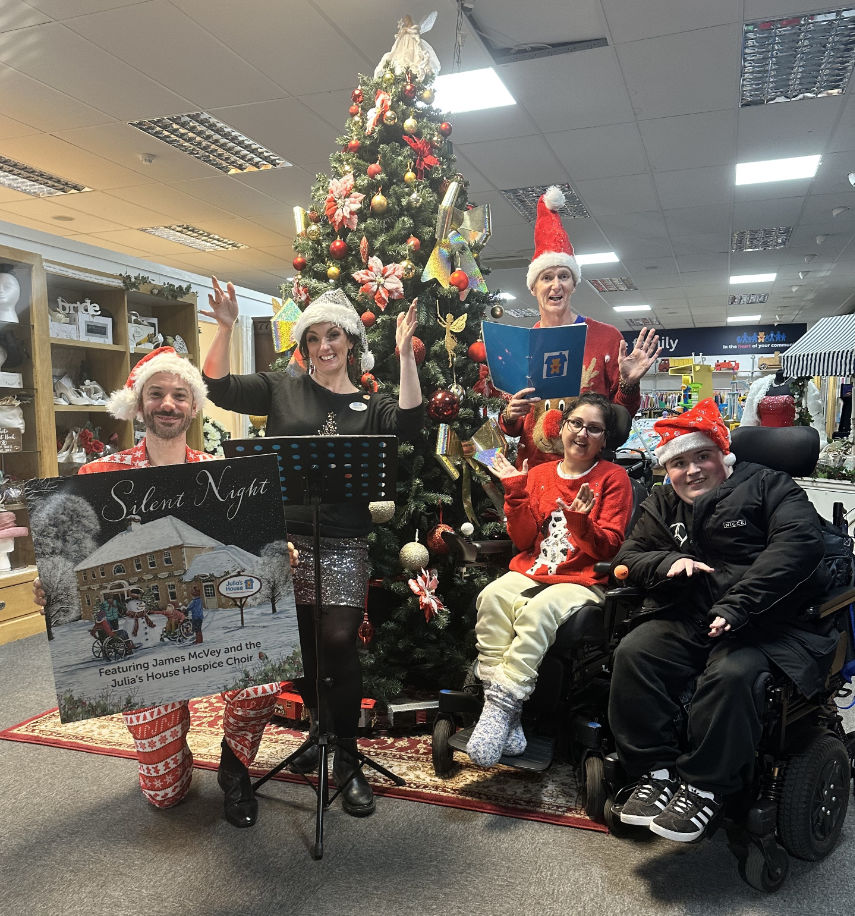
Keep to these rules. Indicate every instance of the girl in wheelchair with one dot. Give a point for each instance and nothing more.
(563, 516)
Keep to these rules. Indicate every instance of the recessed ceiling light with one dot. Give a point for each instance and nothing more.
(602, 257)
(21, 177)
(777, 169)
(632, 308)
(748, 299)
(760, 239)
(752, 278)
(193, 237)
(505, 297)
(471, 90)
(524, 200)
(612, 284)
(211, 141)
(797, 57)
(736, 318)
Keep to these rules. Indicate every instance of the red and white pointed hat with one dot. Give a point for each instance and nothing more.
(123, 403)
(552, 246)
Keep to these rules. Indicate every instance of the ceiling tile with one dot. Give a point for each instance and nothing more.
(600, 152)
(14, 14)
(501, 161)
(700, 187)
(634, 21)
(766, 131)
(705, 139)
(628, 194)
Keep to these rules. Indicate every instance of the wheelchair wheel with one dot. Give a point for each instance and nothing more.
(443, 755)
(595, 787)
(97, 649)
(764, 874)
(611, 819)
(185, 629)
(814, 799)
(114, 648)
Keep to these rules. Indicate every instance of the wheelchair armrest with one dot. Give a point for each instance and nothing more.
(831, 604)
(470, 551)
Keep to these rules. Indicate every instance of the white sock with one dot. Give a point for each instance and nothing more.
(702, 792)
(661, 774)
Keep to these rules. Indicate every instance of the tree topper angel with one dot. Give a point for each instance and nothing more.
(410, 51)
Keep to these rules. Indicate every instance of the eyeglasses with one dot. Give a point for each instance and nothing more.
(593, 431)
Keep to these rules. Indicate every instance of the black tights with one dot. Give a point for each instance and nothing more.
(340, 661)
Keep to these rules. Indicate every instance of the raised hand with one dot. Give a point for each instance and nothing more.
(223, 307)
(503, 469)
(644, 353)
(520, 404)
(583, 502)
(405, 329)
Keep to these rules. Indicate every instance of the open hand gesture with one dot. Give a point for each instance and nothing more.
(407, 324)
(503, 469)
(644, 353)
(223, 307)
(583, 502)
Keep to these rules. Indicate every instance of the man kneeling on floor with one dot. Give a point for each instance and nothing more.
(730, 556)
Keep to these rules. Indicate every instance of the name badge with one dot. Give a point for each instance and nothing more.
(358, 406)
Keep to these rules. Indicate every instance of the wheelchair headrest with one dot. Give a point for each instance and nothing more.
(623, 425)
(792, 449)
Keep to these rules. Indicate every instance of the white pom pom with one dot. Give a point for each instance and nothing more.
(554, 197)
(467, 529)
(367, 361)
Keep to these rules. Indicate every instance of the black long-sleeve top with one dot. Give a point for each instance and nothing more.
(299, 406)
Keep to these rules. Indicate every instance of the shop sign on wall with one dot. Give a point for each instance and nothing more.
(745, 340)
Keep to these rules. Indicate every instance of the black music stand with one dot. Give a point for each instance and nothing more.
(313, 471)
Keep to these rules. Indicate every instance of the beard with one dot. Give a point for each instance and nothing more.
(154, 425)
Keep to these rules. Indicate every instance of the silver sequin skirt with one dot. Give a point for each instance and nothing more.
(344, 570)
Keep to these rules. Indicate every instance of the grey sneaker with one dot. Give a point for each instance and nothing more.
(649, 799)
(687, 816)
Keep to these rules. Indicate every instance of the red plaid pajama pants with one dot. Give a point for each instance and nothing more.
(160, 739)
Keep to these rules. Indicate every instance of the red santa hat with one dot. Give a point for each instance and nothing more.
(700, 427)
(123, 403)
(552, 246)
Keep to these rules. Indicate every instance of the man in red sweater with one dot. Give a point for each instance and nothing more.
(607, 366)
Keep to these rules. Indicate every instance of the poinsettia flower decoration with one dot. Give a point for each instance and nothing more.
(383, 283)
(342, 203)
(424, 585)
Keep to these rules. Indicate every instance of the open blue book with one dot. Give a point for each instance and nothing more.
(546, 359)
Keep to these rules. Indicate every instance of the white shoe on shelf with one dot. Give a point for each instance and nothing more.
(69, 448)
(64, 387)
(94, 392)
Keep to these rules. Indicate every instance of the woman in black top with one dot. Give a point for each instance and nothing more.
(325, 401)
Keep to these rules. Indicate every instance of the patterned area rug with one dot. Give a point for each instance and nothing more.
(552, 797)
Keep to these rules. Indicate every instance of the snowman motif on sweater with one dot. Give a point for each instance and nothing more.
(555, 548)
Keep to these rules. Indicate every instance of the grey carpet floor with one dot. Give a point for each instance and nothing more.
(77, 838)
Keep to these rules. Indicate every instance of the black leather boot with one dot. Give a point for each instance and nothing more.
(356, 796)
(239, 806)
(307, 762)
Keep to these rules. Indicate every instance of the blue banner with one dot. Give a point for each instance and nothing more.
(744, 340)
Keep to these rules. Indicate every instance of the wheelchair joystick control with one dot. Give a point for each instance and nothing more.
(621, 571)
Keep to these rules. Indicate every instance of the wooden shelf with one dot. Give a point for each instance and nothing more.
(87, 345)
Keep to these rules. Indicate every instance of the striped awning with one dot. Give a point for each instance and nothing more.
(828, 348)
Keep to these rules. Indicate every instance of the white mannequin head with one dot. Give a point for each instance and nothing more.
(10, 292)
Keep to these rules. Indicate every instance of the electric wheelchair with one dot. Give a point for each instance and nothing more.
(797, 800)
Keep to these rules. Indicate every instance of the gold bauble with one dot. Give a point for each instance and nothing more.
(414, 556)
(390, 118)
(388, 77)
(333, 272)
(257, 422)
(409, 177)
(408, 269)
(379, 203)
(382, 511)
(411, 125)
(313, 232)
(427, 96)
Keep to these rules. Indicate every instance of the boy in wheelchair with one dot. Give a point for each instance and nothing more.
(729, 557)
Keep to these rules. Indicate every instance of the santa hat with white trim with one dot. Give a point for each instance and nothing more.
(552, 246)
(334, 307)
(123, 403)
(700, 427)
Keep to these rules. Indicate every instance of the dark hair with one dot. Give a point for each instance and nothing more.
(353, 370)
(604, 405)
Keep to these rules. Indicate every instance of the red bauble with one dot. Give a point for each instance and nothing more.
(354, 146)
(413, 244)
(353, 111)
(436, 543)
(477, 352)
(419, 351)
(459, 279)
(368, 382)
(338, 249)
(409, 91)
(443, 406)
(299, 263)
(374, 170)
(314, 216)
(368, 318)
(357, 96)
(445, 129)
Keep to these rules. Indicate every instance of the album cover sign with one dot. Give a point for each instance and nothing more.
(164, 583)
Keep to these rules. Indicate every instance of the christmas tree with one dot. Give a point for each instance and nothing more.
(392, 223)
